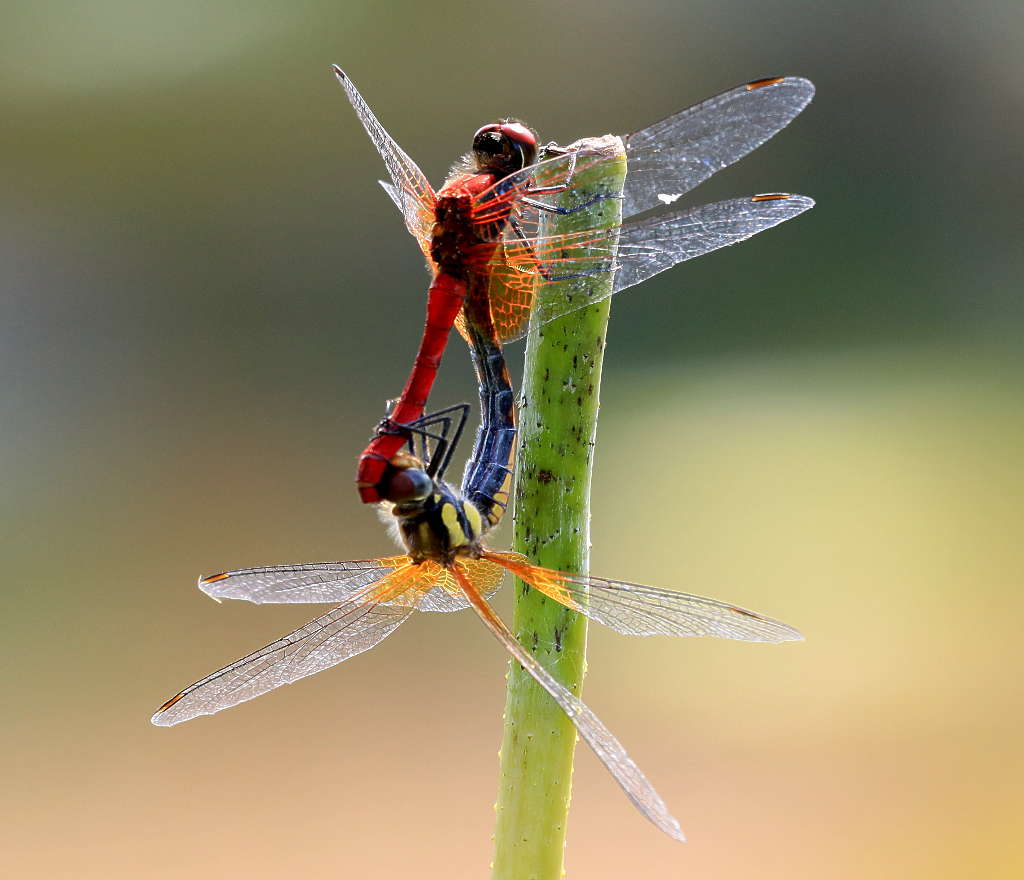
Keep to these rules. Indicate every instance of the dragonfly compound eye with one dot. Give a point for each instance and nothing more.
(409, 484)
(505, 146)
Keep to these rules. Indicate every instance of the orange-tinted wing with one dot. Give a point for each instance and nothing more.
(516, 268)
(447, 595)
(347, 630)
(637, 610)
(563, 173)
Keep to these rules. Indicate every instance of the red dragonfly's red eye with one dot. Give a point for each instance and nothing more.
(515, 131)
(519, 132)
(504, 147)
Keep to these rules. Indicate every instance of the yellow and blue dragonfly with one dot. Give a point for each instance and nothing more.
(447, 567)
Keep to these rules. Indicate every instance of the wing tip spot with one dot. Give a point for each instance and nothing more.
(213, 578)
(791, 634)
(736, 609)
(159, 712)
(761, 83)
(770, 197)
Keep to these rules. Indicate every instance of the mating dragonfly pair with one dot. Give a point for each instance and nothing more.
(490, 259)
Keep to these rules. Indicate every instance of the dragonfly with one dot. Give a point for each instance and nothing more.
(447, 567)
(485, 224)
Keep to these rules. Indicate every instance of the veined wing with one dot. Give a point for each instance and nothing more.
(514, 268)
(411, 191)
(635, 251)
(664, 160)
(607, 748)
(561, 173)
(637, 610)
(671, 157)
(312, 582)
(446, 594)
(306, 582)
(347, 630)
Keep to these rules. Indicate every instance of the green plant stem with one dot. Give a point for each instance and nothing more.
(558, 424)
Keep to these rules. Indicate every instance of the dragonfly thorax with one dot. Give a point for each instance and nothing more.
(440, 527)
(458, 243)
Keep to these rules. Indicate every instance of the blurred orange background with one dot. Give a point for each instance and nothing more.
(207, 299)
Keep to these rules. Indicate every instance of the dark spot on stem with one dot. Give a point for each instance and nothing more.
(545, 476)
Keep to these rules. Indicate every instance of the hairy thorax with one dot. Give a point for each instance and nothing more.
(441, 528)
(459, 245)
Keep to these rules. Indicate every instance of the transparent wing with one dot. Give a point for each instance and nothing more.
(650, 246)
(411, 192)
(635, 251)
(393, 193)
(305, 582)
(342, 633)
(607, 748)
(671, 157)
(637, 610)
(665, 160)
(339, 581)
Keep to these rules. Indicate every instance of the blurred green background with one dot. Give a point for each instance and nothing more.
(207, 298)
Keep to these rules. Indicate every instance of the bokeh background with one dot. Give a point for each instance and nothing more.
(206, 299)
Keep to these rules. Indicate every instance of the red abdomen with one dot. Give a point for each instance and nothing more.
(444, 300)
(460, 248)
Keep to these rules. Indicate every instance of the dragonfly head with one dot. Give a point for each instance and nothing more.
(406, 482)
(440, 525)
(505, 147)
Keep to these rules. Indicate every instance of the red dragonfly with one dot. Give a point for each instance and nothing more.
(485, 222)
(446, 567)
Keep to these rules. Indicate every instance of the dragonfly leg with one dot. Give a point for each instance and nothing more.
(572, 275)
(445, 439)
(558, 187)
(554, 149)
(555, 209)
(561, 187)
